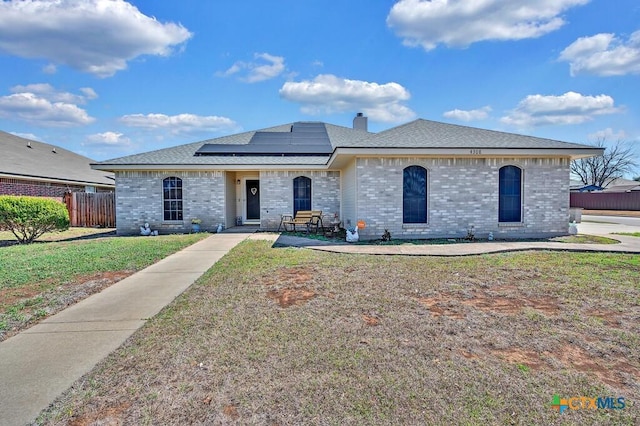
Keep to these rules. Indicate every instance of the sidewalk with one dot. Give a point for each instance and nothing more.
(40, 363)
(627, 244)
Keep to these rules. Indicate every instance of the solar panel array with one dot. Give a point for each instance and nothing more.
(304, 139)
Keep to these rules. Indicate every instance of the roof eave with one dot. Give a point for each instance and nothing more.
(464, 152)
(56, 180)
(196, 167)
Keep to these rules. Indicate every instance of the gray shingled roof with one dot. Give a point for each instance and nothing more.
(184, 154)
(416, 134)
(39, 161)
(432, 134)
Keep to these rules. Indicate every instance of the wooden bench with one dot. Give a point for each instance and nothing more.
(310, 219)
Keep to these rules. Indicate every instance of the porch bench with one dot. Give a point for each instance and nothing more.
(311, 219)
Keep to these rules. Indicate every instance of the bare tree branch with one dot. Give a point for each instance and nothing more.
(616, 161)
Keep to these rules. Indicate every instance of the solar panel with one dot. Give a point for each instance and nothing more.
(304, 139)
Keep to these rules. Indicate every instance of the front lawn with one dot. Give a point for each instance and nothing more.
(291, 336)
(39, 279)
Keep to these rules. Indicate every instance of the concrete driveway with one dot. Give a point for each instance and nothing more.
(603, 225)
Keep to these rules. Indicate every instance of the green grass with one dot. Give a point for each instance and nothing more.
(585, 239)
(71, 233)
(444, 348)
(57, 262)
(39, 279)
(632, 234)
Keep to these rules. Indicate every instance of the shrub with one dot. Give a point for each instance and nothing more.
(30, 217)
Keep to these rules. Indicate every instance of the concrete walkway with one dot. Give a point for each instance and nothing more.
(39, 364)
(628, 244)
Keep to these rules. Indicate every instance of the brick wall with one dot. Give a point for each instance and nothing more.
(277, 194)
(33, 188)
(460, 193)
(139, 200)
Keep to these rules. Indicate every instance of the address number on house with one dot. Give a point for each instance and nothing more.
(475, 151)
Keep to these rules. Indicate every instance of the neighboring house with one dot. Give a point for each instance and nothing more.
(423, 179)
(615, 185)
(622, 185)
(577, 186)
(39, 169)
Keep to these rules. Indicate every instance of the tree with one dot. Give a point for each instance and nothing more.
(30, 217)
(616, 161)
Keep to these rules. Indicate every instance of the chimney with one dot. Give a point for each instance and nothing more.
(360, 122)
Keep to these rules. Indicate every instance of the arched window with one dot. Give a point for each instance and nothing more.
(414, 195)
(510, 198)
(172, 198)
(301, 194)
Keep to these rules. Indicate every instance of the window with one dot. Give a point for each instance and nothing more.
(510, 198)
(301, 194)
(414, 195)
(172, 198)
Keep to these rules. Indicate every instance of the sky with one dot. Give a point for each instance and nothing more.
(108, 78)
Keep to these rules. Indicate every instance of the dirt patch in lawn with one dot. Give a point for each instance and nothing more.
(451, 305)
(370, 320)
(290, 276)
(290, 290)
(510, 305)
(287, 297)
(611, 372)
(110, 416)
(441, 305)
(520, 356)
(231, 411)
(608, 317)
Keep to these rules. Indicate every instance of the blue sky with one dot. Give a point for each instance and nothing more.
(107, 78)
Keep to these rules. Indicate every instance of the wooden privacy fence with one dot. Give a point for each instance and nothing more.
(91, 209)
(606, 200)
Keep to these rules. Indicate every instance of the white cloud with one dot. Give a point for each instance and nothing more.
(570, 108)
(30, 136)
(40, 111)
(181, 123)
(107, 139)
(459, 23)
(326, 92)
(50, 69)
(608, 134)
(266, 67)
(46, 91)
(94, 36)
(468, 115)
(603, 54)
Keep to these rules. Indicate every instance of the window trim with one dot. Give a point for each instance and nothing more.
(426, 196)
(307, 180)
(179, 212)
(519, 222)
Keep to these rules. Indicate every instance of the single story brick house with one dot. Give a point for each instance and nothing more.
(38, 169)
(423, 179)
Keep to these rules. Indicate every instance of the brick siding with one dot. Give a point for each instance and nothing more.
(34, 188)
(139, 200)
(461, 193)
